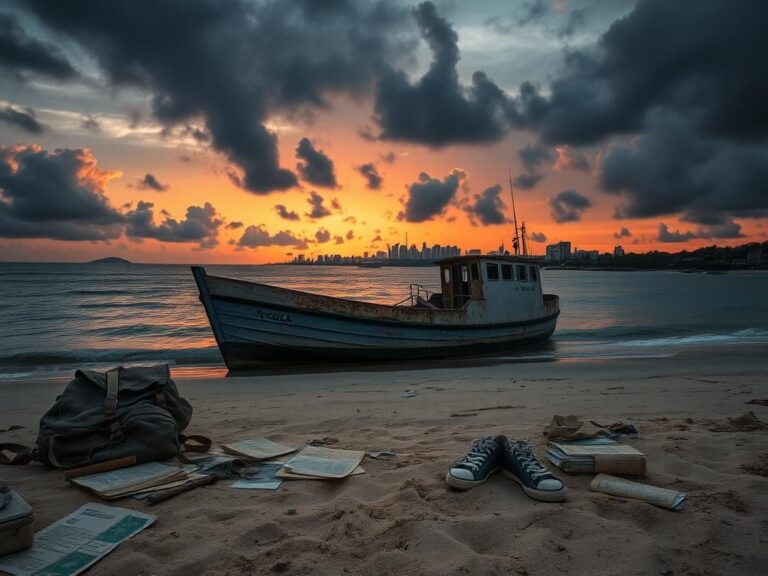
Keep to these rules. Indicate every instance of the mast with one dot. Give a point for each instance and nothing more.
(516, 237)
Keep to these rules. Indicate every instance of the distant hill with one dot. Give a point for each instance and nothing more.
(110, 260)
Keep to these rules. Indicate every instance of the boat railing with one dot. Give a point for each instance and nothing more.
(419, 296)
(551, 304)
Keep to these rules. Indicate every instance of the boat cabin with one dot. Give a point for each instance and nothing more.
(494, 288)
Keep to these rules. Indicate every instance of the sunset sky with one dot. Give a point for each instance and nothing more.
(250, 131)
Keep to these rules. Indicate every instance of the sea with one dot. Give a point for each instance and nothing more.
(55, 318)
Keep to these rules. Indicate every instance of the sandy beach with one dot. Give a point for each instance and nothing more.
(401, 518)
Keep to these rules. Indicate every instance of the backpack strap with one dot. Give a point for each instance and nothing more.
(113, 385)
(202, 445)
(16, 454)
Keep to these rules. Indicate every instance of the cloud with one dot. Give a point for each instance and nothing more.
(623, 233)
(20, 54)
(350, 220)
(539, 237)
(235, 225)
(91, 123)
(150, 182)
(322, 236)
(388, 158)
(569, 159)
(527, 181)
(314, 165)
(532, 157)
(283, 212)
(57, 195)
(568, 206)
(371, 174)
(233, 65)
(488, 207)
(429, 197)
(437, 109)
(23, 119)
(201, 224)
(318, 209)
(338, 239)
(351, 235)
(258, 236)
(666, 236)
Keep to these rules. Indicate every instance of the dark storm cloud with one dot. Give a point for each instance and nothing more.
(91, 123)
(322, 236)
(539, 237)
(532, 157)
(20, 54)
(527, 181)
(371, 174)
(23, 119)
(683, 79)
(201, 224)
(665, 235)
(623, 233)
(314, 165)
(236, 225)
(429, 197)
(318, 208)
(286, 214)
(437, 109)
(150, 182)
(488, 207)
(233, 64)
(671, 169)
(57, 195)
(568, 206)
(257, 236)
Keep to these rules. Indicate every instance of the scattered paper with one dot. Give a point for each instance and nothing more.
(257, 449)
(324, 462)
(72, 544)
(262, 476)
(383, 454)
(408, 393)
(663, 497)
(283, 473)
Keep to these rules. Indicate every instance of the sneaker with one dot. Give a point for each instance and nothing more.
(519, 463)
(483, 459)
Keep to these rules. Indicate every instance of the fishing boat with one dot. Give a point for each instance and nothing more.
(486, 304)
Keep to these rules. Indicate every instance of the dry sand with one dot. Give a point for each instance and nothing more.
(400, 518)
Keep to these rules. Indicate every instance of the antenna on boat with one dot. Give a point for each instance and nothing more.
(516, 237)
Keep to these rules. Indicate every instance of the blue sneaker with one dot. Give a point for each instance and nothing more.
(519, 463)
(483, 459)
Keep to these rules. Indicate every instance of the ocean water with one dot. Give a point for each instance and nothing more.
(58, 317)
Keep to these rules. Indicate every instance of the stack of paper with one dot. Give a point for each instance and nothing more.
(595, 455)
(319, 463)
(147, 477)
(257, 449)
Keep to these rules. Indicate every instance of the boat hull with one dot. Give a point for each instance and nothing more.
(250, 332)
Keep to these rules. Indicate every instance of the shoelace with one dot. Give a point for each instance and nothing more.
(478, 453)
(524, 453)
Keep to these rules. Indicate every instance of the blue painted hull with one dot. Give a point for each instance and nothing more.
(250, 332)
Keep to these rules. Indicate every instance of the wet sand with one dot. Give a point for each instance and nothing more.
(401, 518)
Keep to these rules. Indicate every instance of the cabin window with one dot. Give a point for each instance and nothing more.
(521, 276)
(474, 270)
(464, 274)
(506, 272)
(534, 273)
(492, 271)
(447, 275)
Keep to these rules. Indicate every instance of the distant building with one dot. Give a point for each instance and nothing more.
(758, 258)
(474, 252)
(560, 252)
(381, 255)
(618, 252)
(586, 255)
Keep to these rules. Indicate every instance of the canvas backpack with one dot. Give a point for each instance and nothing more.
(126, 412)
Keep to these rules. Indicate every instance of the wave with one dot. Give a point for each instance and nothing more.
(747, 335)
(186, 356)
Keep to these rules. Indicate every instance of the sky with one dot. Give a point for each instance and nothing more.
(244, 131)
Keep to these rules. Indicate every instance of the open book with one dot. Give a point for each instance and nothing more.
(595, 455)
(133, 480)
(663, 497)
(317, 462)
